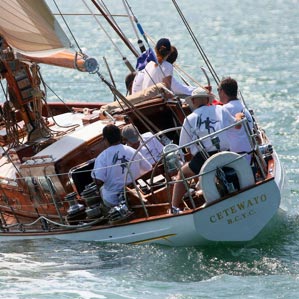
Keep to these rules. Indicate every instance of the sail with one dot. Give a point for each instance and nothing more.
(30, 28)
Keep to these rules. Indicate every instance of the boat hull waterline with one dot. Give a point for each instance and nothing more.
(239, 218)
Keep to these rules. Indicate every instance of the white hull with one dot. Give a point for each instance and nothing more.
(236, 219)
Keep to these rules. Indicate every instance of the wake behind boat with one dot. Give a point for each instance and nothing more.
(49, 149)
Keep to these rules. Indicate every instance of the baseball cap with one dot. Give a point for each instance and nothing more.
(164, 42)
(130, 133)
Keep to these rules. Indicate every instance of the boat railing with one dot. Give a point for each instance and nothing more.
(47, 225)
(161, 168)
(178, 152)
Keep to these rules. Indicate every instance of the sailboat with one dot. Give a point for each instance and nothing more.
(49, 149)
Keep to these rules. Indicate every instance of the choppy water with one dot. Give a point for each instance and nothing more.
(256, 42)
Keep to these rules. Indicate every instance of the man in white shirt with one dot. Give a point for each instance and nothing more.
(113, 168)
(238, 139)
(149, 146)
(204, 119)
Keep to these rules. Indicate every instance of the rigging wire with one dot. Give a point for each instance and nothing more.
(68, 27)
(195, 40)
(127, 63)
(131, 17)
(110, 15)
(115, 28)
(181, 72)
(58, 97)
(138, 24)
(110, 74)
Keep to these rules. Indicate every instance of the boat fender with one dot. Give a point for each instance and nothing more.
(225, 158)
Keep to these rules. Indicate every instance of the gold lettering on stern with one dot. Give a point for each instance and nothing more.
(240, 211)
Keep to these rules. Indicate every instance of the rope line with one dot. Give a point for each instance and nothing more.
(197, 44)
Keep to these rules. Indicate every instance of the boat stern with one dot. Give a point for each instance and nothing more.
(241, 217)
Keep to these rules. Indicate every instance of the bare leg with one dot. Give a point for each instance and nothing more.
(179, 188)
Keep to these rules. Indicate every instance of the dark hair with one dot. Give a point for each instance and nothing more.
(229, 86)
(172, 57)
(112, 134)
(129, 81)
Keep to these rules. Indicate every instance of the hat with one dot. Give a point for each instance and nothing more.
(198, 93)
(163, 42)
(130, 133)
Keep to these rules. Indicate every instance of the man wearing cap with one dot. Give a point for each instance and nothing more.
(149, 146)
(204, 119)
(160, 71)
(113, 168)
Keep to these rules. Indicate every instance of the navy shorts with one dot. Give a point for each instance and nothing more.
(198, 160)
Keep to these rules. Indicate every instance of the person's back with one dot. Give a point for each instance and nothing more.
(151, 149)
(111, 167)
(149, 146)
(163, 70)
(154, 73)
(138, 81)
(239, 142)
(238, 138)
(204, 121)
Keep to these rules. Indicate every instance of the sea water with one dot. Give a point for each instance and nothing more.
(256, 42)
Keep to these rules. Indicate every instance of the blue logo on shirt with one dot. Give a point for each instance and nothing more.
(123, 161)
(207, 123)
